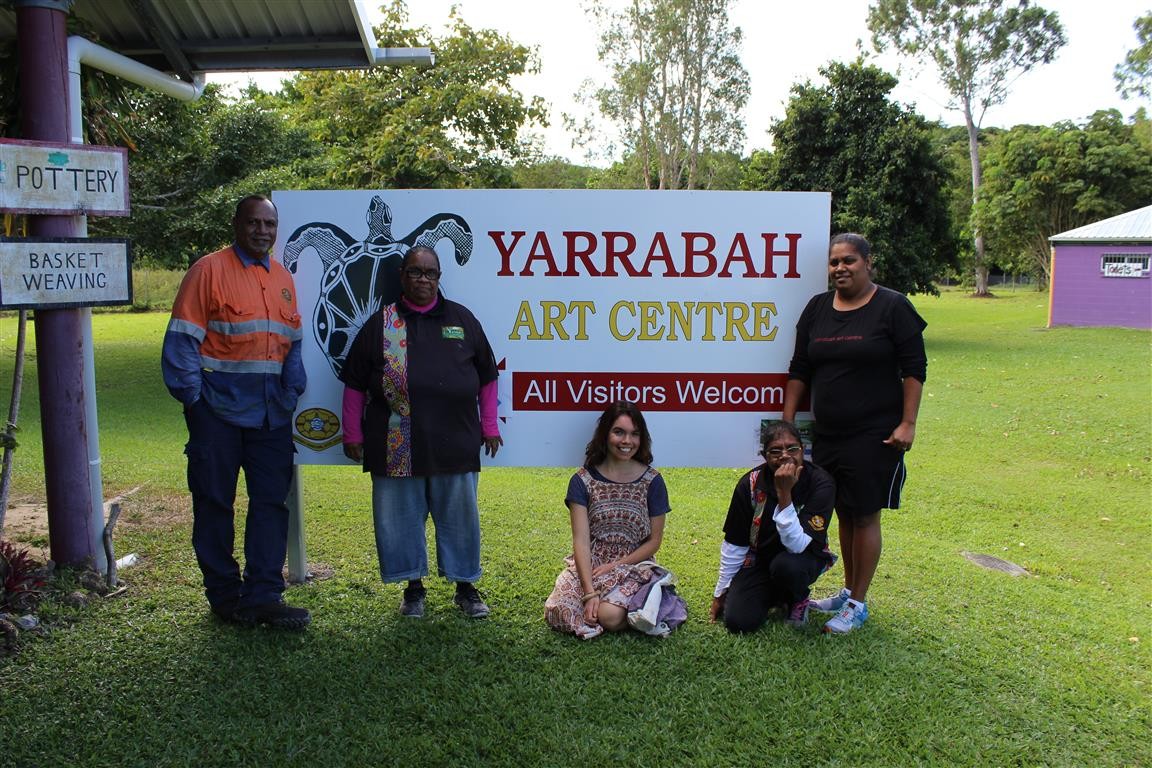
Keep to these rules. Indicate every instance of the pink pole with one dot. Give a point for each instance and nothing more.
(43, 46)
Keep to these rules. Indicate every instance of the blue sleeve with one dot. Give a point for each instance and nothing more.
(658, 497)
(293, 377)
(577, 492)
(180, 364)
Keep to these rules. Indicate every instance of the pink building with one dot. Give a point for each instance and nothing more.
(1100, 273)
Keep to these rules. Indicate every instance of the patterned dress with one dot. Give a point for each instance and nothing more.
(618, 524)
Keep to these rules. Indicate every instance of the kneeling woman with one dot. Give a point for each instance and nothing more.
(772, 562)
(617, 503)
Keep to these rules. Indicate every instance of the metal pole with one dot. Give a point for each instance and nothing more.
(88, 350)
(72, 538)
(297, 557)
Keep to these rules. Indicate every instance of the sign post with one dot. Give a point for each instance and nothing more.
(53, 178)
(64, 272)
(60, 275)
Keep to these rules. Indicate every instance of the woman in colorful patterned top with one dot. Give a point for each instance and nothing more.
(617, 504)
(419, 402)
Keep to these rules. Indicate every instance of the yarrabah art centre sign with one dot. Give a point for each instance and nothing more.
(683, 302)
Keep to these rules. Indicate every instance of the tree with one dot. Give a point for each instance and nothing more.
(190, 162)
(951, 143)
(677, 86)
(715, 170)
(1041, 181)
(452, 125)
(877, 159)
(759, 171)
(550, 173)
(1134, 75)
(977, 47)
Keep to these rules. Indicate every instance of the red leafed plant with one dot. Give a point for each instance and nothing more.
(21, 585)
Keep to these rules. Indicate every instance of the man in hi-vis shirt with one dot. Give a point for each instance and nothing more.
(232, 357)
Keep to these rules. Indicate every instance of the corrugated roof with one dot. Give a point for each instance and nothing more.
(186, 36)
(1134, 226)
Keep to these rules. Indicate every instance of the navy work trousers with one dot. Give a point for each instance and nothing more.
(217, 451)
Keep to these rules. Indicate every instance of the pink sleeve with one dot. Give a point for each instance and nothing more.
(352, 411)
(489, 402)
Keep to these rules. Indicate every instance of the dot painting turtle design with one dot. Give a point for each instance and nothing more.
(360, 277)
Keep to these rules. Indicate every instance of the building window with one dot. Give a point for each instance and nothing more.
(1124, 264)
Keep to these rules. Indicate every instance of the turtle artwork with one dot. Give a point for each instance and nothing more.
(360, 277)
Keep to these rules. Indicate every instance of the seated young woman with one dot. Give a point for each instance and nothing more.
(770, 562)
(617, 504)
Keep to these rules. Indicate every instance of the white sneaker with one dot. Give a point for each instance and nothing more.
(834, 603)
(852, 616)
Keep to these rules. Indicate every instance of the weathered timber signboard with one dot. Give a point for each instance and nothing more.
(64, 272)
(52, 178)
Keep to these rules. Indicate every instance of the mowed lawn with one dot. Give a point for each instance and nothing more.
(1033, 445)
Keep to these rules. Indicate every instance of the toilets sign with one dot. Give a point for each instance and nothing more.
(51, 178)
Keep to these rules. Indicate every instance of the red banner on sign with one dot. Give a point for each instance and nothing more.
(576, 391)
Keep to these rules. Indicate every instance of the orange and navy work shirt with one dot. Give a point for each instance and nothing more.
(234, 340)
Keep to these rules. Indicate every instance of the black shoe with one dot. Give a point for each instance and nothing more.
(469, 600)
(413, 604)
(226, 612)
(276, 615)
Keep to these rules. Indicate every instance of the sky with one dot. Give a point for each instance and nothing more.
(786, 43)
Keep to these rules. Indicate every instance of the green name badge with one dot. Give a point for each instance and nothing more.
(453, 332)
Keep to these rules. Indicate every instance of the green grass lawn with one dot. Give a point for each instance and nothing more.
(1033, 445)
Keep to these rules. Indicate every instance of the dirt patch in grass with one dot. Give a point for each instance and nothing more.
(155, 513)
(26, 521)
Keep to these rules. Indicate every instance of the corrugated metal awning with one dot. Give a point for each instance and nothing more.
(187, 36)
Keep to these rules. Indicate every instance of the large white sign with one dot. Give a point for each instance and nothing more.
(53, 178)
(64, 272)
(684, 302)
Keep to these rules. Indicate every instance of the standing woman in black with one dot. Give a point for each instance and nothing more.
(860, 353)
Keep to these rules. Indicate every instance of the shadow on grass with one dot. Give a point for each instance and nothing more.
(365, 687)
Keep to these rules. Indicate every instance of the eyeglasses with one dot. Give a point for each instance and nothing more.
(415, 273)
(791, 450)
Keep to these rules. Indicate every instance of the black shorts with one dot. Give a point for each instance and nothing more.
(869, 475)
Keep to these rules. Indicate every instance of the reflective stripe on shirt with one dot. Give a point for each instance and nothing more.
(255, 326)
(241, 366)
(176, 325)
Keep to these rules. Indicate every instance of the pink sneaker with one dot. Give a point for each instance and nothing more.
(798, 616)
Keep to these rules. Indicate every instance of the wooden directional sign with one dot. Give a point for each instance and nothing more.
(64, 272)
(46, 177)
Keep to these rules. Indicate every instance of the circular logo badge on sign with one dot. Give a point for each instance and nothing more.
(317, 428)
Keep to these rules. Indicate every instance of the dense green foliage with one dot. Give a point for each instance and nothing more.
(550, 173)
(190, 163)
(456, 124)
(1033, 446)
(714, 170)
(978, 48)
(1041, 181)
(886, 177)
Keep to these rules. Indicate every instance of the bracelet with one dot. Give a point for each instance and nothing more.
(588, 596)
